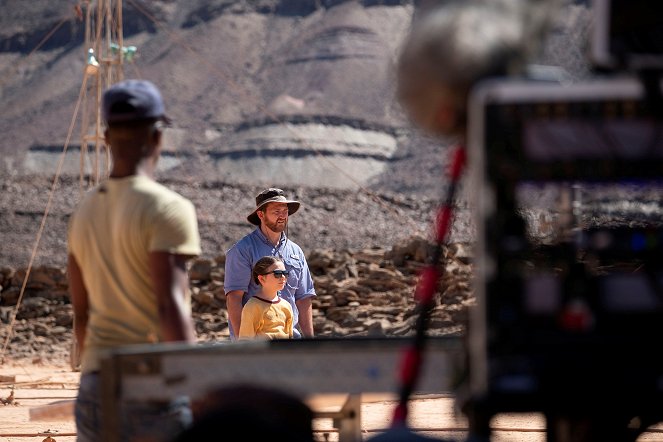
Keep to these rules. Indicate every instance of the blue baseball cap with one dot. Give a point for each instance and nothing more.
(133, 100)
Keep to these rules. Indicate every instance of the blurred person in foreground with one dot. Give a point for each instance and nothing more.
(128, 244)
(251, 412)
(449, 50)
(454, 46)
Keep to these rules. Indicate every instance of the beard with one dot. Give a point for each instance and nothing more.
(275, 226)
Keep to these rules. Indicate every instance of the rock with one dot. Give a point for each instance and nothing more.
(344, 297)
(319, 261)
(381, 279)
(10, 296)
(59, 330)
(6, 275)
(384, 274)
(41, 329)
(215, 286)
(338, 314)
(63, 316)
(213, 322)
(33, 308)
(462, 252)
(6, 314)
(456, 267)
(387, 311)
(369, 256)
(201, 270)
(362, 293)
(217, 274)
(378, 301)
(203, 297)
(360, 288)
(377, 327)
(417, 249)
(340, 273)
(41, 278)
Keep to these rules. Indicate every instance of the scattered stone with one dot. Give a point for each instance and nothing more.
(203, 297)
(201, 270)
(9, 400)
(369, 292)
(10, 296)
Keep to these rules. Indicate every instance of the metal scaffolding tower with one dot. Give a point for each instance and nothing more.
(106, 54)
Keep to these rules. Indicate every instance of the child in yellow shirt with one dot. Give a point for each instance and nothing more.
(266, 314)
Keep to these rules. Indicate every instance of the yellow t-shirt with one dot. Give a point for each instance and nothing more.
(266, 319)
(111, 235)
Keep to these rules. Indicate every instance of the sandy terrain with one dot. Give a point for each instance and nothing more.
(36, 386)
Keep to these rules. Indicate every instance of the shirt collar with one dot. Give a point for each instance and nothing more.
(267, 241)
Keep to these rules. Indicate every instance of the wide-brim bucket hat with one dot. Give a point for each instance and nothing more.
(271, 195)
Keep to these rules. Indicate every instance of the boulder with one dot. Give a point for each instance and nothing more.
(359, 293)
(201, 270)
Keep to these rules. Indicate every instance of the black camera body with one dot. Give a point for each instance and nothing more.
(570, 327)
(627, 34)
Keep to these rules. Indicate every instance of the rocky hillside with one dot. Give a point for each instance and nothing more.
(294, 93)
(223, 63)
(339, 219)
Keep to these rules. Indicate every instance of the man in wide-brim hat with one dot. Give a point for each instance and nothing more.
(271, 195)
(269, 239)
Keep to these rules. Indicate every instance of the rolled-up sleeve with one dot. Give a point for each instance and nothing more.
(305, 288)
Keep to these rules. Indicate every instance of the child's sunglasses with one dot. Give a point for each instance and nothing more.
(278, 273)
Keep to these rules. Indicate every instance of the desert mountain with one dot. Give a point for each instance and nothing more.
(232, 73)
(294, 93)
(301, 87)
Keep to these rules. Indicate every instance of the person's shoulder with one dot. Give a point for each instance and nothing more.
(285, 304)
(294, 245)
(244, 243)
(161, 191)
(90, 200)
(252, 304)
(160, 197)
(247, 240)
(93, 193)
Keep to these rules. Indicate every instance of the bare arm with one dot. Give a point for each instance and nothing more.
(305, 316)
(170, 282)
(79, 301)
(234, 306)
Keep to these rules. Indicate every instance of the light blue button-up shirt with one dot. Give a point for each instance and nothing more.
(241, 258)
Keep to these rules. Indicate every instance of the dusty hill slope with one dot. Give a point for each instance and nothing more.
(227, 68)
(218, 63)
(222, 63)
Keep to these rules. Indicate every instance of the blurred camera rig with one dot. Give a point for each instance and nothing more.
(571, 328)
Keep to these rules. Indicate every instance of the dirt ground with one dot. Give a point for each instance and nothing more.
(38, 386)
(50, 387)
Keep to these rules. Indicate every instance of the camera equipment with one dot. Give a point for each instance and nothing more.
(569, 327)
(627, 34)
